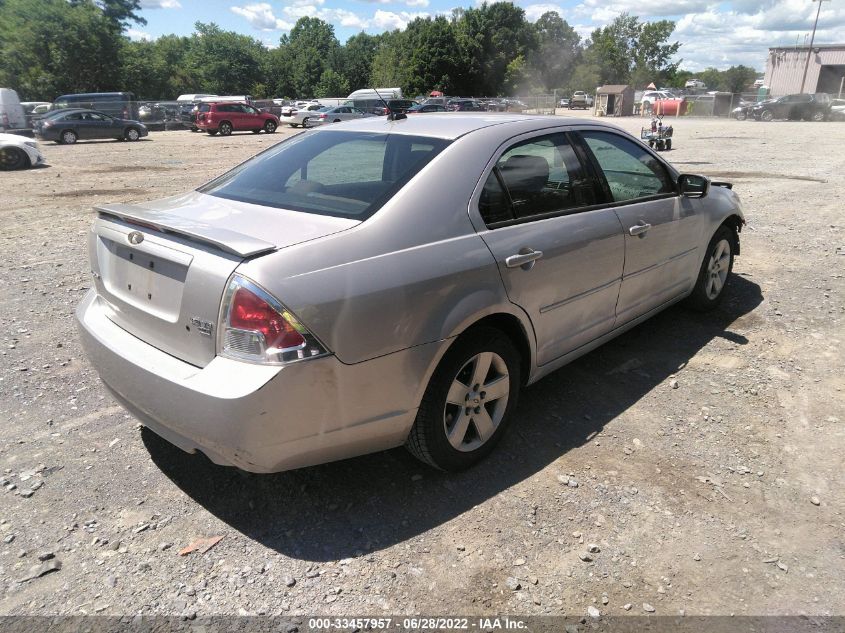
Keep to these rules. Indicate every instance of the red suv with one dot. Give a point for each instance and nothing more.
(234, 117)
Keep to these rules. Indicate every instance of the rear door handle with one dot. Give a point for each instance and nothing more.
(525, 259)
(639, 229)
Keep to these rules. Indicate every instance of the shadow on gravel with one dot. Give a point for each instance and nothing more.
(368, 503)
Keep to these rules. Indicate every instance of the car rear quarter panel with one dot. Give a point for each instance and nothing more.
(414, 273)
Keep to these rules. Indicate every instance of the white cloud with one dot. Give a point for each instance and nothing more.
(136, 36)
(417, 3)
(261, 17)
(160, 4)
(534, 11)
(389, 20)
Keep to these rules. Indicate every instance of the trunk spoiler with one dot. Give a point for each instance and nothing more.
(224, 239)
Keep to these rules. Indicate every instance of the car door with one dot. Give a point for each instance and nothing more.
(661, 230)
(559, 252)
(99, 125)
(250, 118)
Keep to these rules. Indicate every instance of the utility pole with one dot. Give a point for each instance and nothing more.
(810, 48)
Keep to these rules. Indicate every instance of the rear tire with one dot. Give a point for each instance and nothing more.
(225, 128)
(13, 158)
(817, 116)
(715, 272)
(668, 144)
(740, 116)
(469, 401)
(305, 122)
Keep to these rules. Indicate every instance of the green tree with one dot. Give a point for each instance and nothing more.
(432, 60)
(51, 47)
(558, 51)
(388, 70)
(357, 59)
(331, 84)
(224, 61)
(312, 48)
(629, 51)
(737, 79)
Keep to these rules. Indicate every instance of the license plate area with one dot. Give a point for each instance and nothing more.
(151, 280)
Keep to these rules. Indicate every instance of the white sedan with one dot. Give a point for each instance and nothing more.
(300, 116)
(19, 152)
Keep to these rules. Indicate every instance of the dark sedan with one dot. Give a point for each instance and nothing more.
(69, 126)
(426, 107)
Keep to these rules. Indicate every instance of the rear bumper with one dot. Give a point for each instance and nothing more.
(259, 418)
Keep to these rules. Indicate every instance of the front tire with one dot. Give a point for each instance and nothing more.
(740, 116)
(469, 401)
(269, 127)
(715, 273)
(68, 137)
(766, 115)
(13, 158)
(817, 116)
(132, 134)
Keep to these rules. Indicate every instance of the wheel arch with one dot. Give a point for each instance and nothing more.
(735, 222)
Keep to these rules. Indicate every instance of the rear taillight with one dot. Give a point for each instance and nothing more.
(256, 327)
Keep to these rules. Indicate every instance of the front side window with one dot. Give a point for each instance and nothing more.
(342, 174)
(630, 170)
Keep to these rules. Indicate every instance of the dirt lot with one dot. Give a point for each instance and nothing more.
(702, 455)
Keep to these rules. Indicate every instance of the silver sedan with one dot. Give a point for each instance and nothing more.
(336, 115)
(383, 283)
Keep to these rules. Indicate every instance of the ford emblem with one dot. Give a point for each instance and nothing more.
(135, 237)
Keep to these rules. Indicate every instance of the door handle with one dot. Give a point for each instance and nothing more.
(524, 259)
(639, 229)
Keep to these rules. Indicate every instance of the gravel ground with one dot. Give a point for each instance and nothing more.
(694, 464)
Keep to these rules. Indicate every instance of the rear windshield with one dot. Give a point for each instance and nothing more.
(329, 172)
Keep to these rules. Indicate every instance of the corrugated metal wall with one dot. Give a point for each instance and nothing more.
(785, 67)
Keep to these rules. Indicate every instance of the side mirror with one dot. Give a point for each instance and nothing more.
(692, 186)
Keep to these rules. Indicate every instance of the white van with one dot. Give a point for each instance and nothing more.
(12, 116)
(192, 97)
(220, 99)
(371, 100)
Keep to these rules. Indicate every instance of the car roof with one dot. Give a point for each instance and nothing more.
(451, 125)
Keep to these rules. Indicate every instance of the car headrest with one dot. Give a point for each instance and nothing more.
(525, 173)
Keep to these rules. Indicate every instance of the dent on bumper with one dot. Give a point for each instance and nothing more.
(259, 418)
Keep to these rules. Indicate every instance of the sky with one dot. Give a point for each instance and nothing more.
(717, 34)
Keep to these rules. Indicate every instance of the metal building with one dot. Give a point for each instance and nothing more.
(825, 72)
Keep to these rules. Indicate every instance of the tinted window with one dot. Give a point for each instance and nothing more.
(204, 107)
(630, 170)
(345, 174)
(541, 175)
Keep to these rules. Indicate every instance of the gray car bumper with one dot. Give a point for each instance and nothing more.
(256, 417)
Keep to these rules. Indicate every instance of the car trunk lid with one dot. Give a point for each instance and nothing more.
(161, 268)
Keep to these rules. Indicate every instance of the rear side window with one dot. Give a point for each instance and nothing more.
(631, 171)
(204, 107)
(535, 178)
(343, 174)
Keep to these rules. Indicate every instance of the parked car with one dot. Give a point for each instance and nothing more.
(743, 110)
(120, 105)
(837, 110)
(466, 105)
(19, 152)
(34, 110)
(563, 103)
(695, 84)
(225, 118)
(12, 115)
(650, 96)
(301, 117)
(578, 100)
(423, 108)
(360, 287)
(68, 126)
(809, 107)
(336, 115)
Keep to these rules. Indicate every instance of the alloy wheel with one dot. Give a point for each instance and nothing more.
(476, 402)
(717, 269)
